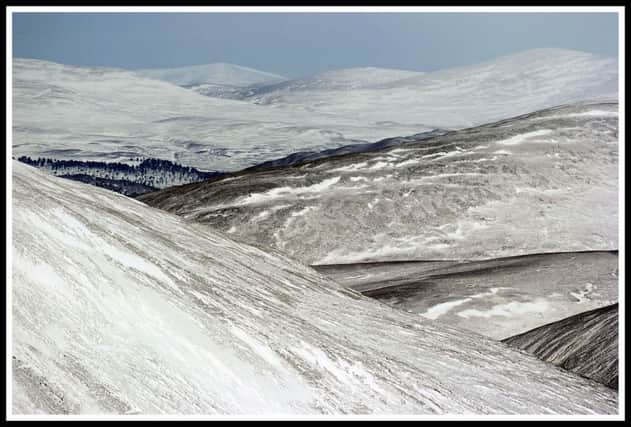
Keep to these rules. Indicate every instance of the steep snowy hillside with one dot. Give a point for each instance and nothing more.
(101, 114)
(586, 344)
(497, 298)
(217, 73)
(460, 97)
(544, 182)
(120, 308)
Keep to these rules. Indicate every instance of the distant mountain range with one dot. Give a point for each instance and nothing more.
(337, 80)
(101, 114)
(211, 74)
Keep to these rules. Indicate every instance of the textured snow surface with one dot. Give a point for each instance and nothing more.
(336, 80)
(498, 298)
(79, 113)
(344, 79)
(104, 114)
(120, 308)
(586, 343)
(457, 97)
(462, 195)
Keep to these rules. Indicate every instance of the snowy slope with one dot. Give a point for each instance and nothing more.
(463, 96)
(335, 80)
(215, 73)
(120, 308)
(102, 114)
(586, 343)
(344, 79)
(497, 298)
(308, 156)
(544, 182)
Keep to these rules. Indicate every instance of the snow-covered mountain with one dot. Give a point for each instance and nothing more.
(586, 343)
(543, 182)
(78, 113)
(344, 79)
(459, 97)
(121, 308)
(220, 74)
(336, 80)
(112, 115)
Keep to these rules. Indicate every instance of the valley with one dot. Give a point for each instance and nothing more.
(248, 332)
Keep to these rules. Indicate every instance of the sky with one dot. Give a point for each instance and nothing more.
(294, 45)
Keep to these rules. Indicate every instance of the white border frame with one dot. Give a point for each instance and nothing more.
(320, 9)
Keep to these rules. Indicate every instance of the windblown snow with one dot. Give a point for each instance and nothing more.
(80, 113)
(458, 97)
(462, 195)
(121, 308)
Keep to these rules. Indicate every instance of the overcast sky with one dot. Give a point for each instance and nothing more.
(300, 44)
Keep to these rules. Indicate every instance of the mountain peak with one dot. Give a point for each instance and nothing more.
(548, 54)
(219, 73)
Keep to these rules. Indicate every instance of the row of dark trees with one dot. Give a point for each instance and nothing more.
(142, 167)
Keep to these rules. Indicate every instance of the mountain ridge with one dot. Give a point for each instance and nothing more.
(219, 73)
(510, 186)
(118, 114)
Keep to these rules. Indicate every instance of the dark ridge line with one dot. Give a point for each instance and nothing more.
(582, 313)
(121, 186)
(367, 147)
(184, 188)
(578, 316)
(464, 261)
